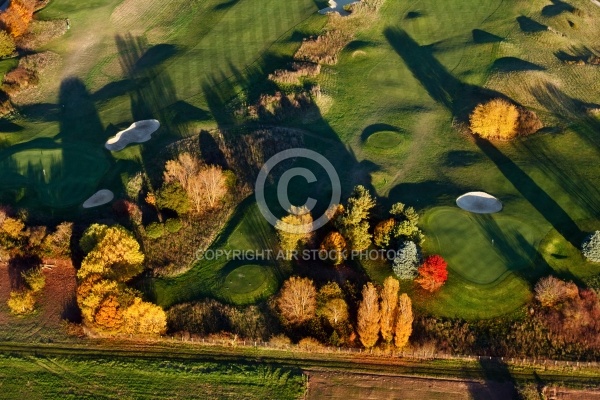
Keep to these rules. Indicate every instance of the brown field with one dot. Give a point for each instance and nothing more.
(331, 385)
(56, 302)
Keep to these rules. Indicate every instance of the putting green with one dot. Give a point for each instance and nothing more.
(249, 283)
(385, 140)
(480, 248)
(60, 175)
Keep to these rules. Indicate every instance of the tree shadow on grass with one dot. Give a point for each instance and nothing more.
(528, 25)
(513, 64)
(480, 37)
(499, 382)
(558, 7)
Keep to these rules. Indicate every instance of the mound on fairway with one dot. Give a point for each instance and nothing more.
(249, 283)
(138, 132)
(384, 140)
(479, 203)
(481, 248)
(99, 198)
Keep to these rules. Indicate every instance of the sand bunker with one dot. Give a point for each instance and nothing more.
(479, 202)
(99, 198)
(138, 132)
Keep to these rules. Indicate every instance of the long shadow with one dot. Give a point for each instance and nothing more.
(529, 189)
(499, 382)
(558, 7)
(460, 99)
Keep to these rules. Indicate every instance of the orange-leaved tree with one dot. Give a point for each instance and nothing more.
(16, 18)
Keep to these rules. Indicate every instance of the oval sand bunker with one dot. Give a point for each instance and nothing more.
(99, 198)
(138, 132)
(479, 202)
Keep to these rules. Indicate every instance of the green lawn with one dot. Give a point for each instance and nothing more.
(65, 378)
(236, 279)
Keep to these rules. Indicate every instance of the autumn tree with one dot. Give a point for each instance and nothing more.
(407, 260)
(16, 18)
(496, 119)
(12, 227)
(109, 313)
(336, 311)
(34, 279)
(7, 44)
(173, 196)
(21, 302)
(144, 318)
(369, 316)
(550, 291)
(389, 308)
(294, 230)
(115, 255)
(334, 245)
(383, 232)
(404, 321)
(58, 243)
(205, 185)
(353, 222)
(433, 273)
(297, 300)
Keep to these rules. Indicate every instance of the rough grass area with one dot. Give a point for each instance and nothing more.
(65, 378)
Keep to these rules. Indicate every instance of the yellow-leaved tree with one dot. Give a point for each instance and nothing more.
(334, 245)
(145, 318)
(116, 254)
(496, 119)
(389, 308)
(368, 316)
(404, 321)
(294, 230)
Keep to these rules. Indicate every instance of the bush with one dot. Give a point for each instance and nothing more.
(496, 119)
(173, 225)
(155, 230)
(7, 44)
(173, 197)
(35, 279)
(21, 303)
(310, 344)
(591, 247)
(407, 261)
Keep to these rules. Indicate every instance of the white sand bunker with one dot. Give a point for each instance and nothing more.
(99, 198)
(138, 132)
(338, 7)
(479, 202)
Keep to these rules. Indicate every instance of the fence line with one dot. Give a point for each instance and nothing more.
(414, 354)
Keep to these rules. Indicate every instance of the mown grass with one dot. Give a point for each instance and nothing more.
(35, 377)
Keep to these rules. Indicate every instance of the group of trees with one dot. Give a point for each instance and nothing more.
(113, 257)
(204, 186)
(388, 314)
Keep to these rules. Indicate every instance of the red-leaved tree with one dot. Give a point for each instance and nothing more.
(433, 273)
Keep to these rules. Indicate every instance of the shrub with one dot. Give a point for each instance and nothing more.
(173, 225)
(591, 247)
(21, 303)
(310, 344)
(280, 341)
(173, 197)
(35, 279)
(7, 44)
(155, 230)
(496, 119)
(407, 261)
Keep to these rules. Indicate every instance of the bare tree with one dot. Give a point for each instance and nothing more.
(297, 301)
